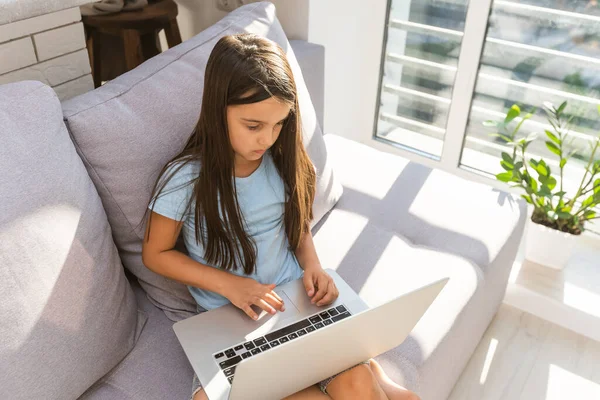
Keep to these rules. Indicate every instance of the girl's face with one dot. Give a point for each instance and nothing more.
(253, 128)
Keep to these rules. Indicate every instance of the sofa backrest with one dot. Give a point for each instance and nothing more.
(67, 312)
(126, 130)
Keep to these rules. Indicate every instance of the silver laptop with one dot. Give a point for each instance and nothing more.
(237, 358)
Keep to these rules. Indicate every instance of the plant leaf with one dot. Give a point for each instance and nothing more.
(504, 176)
(527, 198)
(561, 108)
(588, 202)
(508, 158)
(545, 191)
(501, 136)
(542, 169)
(513, 113)
(552, 137)
(547, 167)
(541, 201)
(534, 185)
(551, 182)
(560, 194)
(563, 162)
(553, 148)
(589, 214)
(507, 166)
(564, 215)
(596, 186)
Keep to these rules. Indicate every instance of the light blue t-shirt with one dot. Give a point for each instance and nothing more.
(261, 197)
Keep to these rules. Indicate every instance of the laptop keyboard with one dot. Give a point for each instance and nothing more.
(229, 358)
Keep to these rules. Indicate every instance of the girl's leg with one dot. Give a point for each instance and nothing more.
(200, 395)
(392, 390)
(310, 393)
(358, 383)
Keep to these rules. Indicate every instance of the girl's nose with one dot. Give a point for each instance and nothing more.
(265, 139)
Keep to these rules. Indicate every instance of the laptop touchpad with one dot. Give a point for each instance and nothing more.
(267, 322)
(290, 309)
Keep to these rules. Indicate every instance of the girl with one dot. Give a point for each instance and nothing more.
(242, 191)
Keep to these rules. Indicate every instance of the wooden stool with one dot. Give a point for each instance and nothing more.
(138, 31)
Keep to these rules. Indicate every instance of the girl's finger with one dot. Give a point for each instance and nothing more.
(275, 302)
(328, 299)
(265, 306)
(334, 290)
(321, 292)
(309, 284)
(248, 310)
(274, 294)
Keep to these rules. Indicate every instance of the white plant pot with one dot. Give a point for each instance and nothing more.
(547, 246)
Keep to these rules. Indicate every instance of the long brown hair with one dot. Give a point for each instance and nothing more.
(242, 69)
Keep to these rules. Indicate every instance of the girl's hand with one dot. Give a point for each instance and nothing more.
(245, 292)
(319, 286)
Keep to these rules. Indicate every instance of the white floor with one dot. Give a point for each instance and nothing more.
(544, 343)
(523, 357)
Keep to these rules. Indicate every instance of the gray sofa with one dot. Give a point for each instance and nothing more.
(83, 318)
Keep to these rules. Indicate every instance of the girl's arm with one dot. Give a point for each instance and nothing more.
(306, 254)
(314, 275)
(159, 255)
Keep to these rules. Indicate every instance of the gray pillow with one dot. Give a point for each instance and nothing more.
(129, 128)
(68, 313)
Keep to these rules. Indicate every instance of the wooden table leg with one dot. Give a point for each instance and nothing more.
(133, 48)
(96, 58)
(150, 45)
(172, 33)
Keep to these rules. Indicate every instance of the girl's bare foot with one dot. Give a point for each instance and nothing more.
(392, 390)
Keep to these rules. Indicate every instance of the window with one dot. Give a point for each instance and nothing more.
(450, 65)
(419, 69)
(536, 51)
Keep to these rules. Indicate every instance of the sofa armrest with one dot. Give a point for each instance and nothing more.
(311, 58)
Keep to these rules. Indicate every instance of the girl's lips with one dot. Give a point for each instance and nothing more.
(259, 151)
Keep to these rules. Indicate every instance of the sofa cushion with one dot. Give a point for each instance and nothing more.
(129, 128)
(68, 313)
(380, 265)
(408, 227)
(430, 207)
(156, 369)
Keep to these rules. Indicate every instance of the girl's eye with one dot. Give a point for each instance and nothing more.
(253, 128)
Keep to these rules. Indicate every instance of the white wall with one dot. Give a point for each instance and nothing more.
(352, 33)
(197, 15)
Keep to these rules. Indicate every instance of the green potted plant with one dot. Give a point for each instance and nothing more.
(558, 217)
